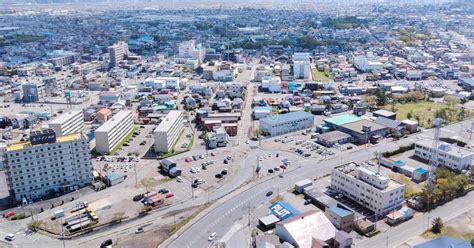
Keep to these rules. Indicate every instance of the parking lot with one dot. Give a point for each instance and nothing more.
(207, 170)
(140, 142)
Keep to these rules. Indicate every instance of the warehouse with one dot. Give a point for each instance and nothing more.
(286, 123)
(363, 130)
(334, 137)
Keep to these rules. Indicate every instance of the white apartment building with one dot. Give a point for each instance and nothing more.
(301, 65)
(117, 52)
(67, 123)
(172, 83)
(167, 132)
(454, 157)
(113, 131)
(47, 165)
(370, 189)
(367, 64)
(189, 49)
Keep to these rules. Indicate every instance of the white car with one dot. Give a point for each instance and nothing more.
(10, 237)
(197, 169)
(212, 236)
(192, 170)
(179, 179)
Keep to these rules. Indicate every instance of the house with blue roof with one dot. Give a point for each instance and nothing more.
(341, 218)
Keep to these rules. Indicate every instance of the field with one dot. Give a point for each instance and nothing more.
(423, 112)
(319, 75)
(459, 227)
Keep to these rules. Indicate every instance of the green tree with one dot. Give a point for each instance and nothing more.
(410, 114)
(437, 225)
(34, 225)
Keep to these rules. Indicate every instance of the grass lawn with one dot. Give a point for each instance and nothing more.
(424, 110)
(120, 144)
(319, 75)
(450, 231)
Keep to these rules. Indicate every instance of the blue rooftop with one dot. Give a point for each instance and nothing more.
(340, 211)
(398, 163)
(421, 170)
(444, 242)
(342, 119)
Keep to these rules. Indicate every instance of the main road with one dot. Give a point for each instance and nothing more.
(221, 218)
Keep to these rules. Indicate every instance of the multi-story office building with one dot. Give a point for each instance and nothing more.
(370, 189)
(113, 131)
(301, 65)
(286, 123)
(67, 123)
(189, 49)
(117, 52)
(47, 165)
(168, 131)
(33, 92)
(454, 157)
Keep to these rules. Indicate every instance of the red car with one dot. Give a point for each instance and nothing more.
(169, 195)
(9, 214)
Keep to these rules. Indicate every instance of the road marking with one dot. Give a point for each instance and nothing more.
(235, 228)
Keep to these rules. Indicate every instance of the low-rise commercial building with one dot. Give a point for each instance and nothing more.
(286, 123)
(341, 218)
(67, 123)
(113, 131)
(370, 189)
(329, 139)
(454, 157)
(47, 165)
(168, 131)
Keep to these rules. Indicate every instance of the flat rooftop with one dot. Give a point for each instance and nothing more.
(59, 139)
(115, 120)
(168, 121)
(65, 117)
(357, 126)
(342, 119)
(450, 149)
(350, 170)
(282, 118)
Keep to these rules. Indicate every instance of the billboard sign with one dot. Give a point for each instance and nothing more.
(37, 138)
(283, 210)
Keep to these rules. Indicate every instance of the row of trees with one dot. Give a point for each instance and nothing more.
(447, 186)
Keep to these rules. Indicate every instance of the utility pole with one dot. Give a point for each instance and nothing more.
(135, 169)
(192, 187)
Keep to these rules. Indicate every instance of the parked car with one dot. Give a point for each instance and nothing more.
(179, 179)
(270, 170)
(9, 214)
(283, 167)
(142, 143)
(163, 191)
(10, 237)
(224, 172)
(269, 193)
(218, 175)
(169, 195)
(139, 230)
(138, 197)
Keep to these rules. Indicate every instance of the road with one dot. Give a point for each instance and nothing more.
(227, 212)
(398, 235)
